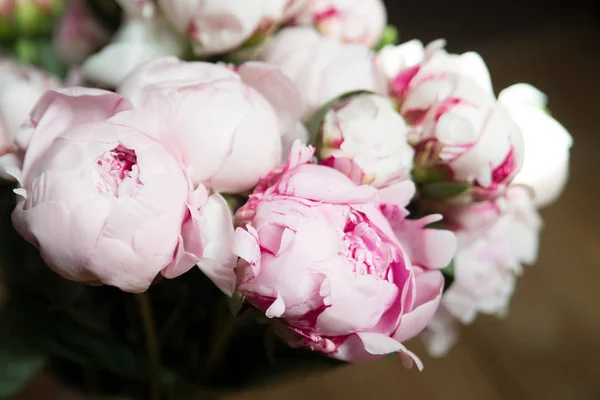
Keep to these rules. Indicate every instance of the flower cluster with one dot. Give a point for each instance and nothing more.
(381, 191)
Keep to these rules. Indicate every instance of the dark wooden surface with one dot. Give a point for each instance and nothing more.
(549, 345)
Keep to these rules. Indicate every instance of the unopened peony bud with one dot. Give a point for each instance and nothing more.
(547, 143)
(369, 131)
(352, 21)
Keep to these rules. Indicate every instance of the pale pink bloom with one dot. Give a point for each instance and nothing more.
(400, 61)
(547, 143)
(219, 26)
(368, 130)
(105, 201)
(323, 68)
(78, 34)
(486, 266)
(469, 137)
(138, 40)
(352, 21)
(229, 121)
(420, 77)
(337, 263)
(20, 88)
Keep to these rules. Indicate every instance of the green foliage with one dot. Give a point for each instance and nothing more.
(21, 355)
(39, 52)
(448, 274)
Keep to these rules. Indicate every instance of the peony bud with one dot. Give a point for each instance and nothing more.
(352, 21)
(466, 140)
(547, 143)
(219, 26)
(369, 131)
(323, 68)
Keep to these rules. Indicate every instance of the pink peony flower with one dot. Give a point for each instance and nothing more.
(468, 137)
(486, 266)
(229, 123)
(20, 88)
(323, 68)
(105, 200)
(369, 131)
(547, 143)
(219, 26)
(78, 34)
(352, 21)
(317, 252)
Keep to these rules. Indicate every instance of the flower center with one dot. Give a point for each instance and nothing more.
(117, 172)
(370, 255)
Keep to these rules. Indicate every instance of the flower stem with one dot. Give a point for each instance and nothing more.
(152, 346)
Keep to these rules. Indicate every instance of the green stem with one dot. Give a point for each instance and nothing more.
(152, 345)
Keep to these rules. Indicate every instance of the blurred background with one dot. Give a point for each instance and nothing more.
(548, 347)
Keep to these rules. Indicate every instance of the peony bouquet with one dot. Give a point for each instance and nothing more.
(200, 194)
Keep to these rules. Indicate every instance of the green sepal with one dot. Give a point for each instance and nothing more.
(448, 274)
(443, 190)
(390, 36)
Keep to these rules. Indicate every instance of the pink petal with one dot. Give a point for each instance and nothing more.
(278, 89)
(429, 286)
(218, 260)
(427, 248)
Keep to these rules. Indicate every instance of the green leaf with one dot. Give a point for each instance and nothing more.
(390, 36)
(448, 274)
(444, 190)
(449, 270)
(21, 357)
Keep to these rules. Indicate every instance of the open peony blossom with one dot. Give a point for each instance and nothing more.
(337, 263)
(323, 68)
(369, 131)
(547, 143)
(468, 137)
(78, 33)
(137, 41)
(20, 88)
(486, 265)
(106, 202)
(352, 21)
(219, 26)
(229, 123)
